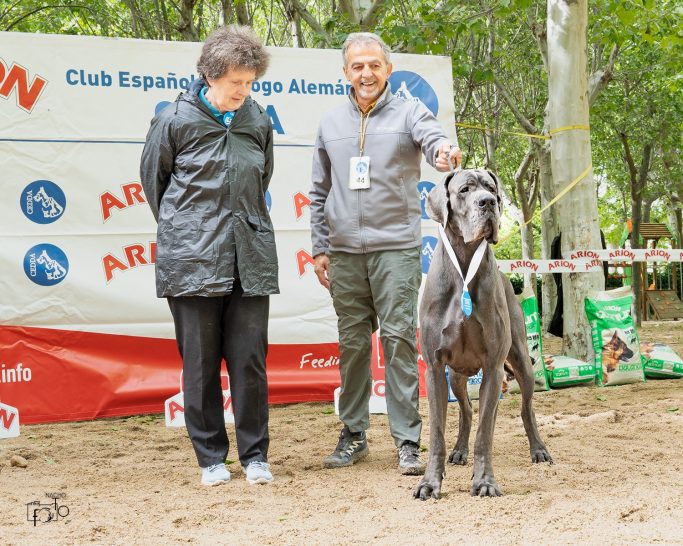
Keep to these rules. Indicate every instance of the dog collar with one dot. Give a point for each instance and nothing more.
(465, 300)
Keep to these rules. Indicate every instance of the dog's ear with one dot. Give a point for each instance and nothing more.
(437, 201)
(499, 191)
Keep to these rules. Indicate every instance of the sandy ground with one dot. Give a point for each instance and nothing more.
(617, 479)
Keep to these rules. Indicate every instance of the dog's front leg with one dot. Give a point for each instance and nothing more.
(437, 394)
(461, 448)
(483, 483)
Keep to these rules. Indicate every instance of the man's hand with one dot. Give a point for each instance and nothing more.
(322, 268)
(446, 150)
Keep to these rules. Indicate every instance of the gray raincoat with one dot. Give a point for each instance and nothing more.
(206, 185)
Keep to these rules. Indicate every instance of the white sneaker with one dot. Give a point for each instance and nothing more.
(258, 472)
(215, 474)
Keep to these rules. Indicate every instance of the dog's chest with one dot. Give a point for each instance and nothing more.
(466, 342)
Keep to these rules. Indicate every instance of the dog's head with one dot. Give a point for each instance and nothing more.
(618, 349)
(471, 202)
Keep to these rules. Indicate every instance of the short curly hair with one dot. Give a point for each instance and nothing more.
(232, 47)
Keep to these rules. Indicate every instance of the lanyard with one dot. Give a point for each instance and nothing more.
(363, 129)
(465, 299)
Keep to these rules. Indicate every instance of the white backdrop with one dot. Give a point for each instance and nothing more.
(78, 306)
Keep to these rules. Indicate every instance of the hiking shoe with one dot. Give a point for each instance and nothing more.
(352, 447)
(409, 462)
(215, 474)
(258, 472)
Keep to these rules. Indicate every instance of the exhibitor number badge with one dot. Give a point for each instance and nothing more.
(359, 173)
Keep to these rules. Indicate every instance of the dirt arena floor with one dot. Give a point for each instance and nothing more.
(617, 479)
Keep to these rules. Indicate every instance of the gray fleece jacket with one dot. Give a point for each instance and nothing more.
(387, 215)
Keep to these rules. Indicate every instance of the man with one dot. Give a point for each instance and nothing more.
(365, 227)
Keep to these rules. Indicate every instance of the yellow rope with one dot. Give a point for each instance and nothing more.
(570, 128)
(528, 135)
(554, 200)
(482, 128)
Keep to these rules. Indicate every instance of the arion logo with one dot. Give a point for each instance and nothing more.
(423, 188)
(412, 86)
(16, 79)
(428, 248)
(46, 264)
(43, 202)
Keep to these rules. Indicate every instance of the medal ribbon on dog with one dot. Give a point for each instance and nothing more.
(465, 300)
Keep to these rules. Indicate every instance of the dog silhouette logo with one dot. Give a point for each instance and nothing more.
(428, 248)
(423, 189)
(46, 264)
(43, 202)
(410, 86)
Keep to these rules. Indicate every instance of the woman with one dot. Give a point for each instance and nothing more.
(205, 168)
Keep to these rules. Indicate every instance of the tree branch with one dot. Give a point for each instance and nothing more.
(311, 21)
(521, 119)
(369, 19)
(520, 173)
(599, 79)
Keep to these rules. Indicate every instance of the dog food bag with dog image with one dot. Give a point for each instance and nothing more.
(660, 360)
(615, 339)
(534, 341)
(564, 371)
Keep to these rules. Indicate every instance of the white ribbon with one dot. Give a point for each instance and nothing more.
(471, 270)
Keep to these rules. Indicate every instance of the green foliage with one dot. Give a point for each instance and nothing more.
(488, 41)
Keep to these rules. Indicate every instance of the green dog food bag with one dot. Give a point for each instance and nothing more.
(615, 339)
(534, 340)
(660, 360)
(564, 371)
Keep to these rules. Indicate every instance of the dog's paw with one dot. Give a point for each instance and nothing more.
(458, 456)
(541, 455)
(428, 488)
(485, 487)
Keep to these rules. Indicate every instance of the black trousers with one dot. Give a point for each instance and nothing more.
(208, 330)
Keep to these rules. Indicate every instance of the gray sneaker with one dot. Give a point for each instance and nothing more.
(215, 474)
(352, 447)
(409, 461)
(258, 472)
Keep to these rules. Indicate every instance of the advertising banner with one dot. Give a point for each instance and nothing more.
(82, 334)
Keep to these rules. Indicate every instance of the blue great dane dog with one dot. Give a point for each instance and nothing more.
(471, 320)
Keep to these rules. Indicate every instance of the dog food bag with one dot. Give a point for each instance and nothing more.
(615, 339)
(534, 341)
(564, 371)
(660, 360)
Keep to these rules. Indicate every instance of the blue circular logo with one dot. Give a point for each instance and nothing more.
(46, 264)
(160, 106)
(428, 248)
(43, 202)
(423, 188)
(269, 200)
(411, 86)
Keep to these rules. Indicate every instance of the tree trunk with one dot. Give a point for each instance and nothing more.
(570, 156)
(527, 207)
(647, 210)
(186, 25)
(638, 179)
(549, 230)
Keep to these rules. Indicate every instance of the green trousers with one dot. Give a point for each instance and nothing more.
(364, 287)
